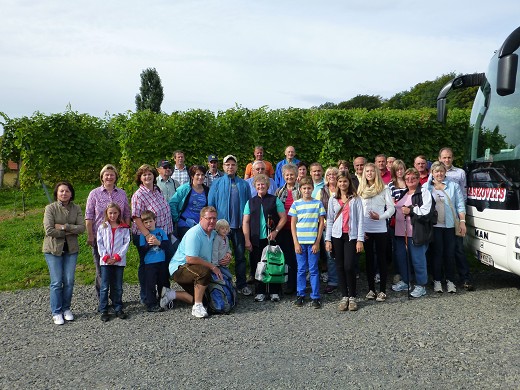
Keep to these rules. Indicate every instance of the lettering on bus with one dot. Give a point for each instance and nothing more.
(489, 194)
(481, 234)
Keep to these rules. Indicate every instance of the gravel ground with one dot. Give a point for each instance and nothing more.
(464, 341)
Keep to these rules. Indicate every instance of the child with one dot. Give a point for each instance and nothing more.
(113, 237)
(156, 245)
(307, 226)
(221, 242)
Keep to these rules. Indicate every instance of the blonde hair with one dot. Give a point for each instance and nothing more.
(364, 187)
(333, 170)
(394, 167)
(222, 224)
(263, 179)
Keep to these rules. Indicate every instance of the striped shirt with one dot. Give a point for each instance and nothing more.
(308, 213)
(143, 199)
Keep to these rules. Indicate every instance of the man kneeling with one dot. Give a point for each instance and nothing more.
(191, 265)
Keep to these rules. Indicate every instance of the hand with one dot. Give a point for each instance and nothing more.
(272, 235)
(248, 245)
(216, 270)
(373, 215)
(90, 240)
(59, 226)
(359, 247)
(328, 246)
(463, 229)
(298, 249)
(152, 240)
(225, 260)
(315, 247)
(405, 210)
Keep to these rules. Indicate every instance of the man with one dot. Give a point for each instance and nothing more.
(389, 162)
(359, 164)
(229, 195)
(421, 165)
(458, 176)
(317, 177)
(259, 156)
(180, 172)
(191, 266)
(290, 152)
(213, 172)
(260, 168)
(167, 185)
(380, 162)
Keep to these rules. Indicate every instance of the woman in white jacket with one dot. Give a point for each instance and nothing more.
(346, 235)
(378, 206)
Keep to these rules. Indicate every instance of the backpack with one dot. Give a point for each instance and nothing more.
(276, 271)
(221, 295)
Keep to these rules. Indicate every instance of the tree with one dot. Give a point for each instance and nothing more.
(370, 102)
(150, 94)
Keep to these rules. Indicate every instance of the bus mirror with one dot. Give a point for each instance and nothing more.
(442, 112)
(506, 74)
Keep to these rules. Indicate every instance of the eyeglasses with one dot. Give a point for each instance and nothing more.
(210, 218)
(167, 167)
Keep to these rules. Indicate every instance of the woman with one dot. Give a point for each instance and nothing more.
(343, 166)
(302, 170)
(62, 221)
(258, 212)
(397, 187)
(328, 191)
(378, 206)
(189, 200)
(148, 197)
(416, 200)
(97, 202)
(287, 194)
(451, 211)
(345, 233)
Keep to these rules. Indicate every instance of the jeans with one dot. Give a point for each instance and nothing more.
(95, 255)
(308, 261)
(444, 253)
(345, 251)
(236, 236)
(461, 261)
(61, 270)
(417, 256)
(111, 280)
(331, 265)
(140, 271)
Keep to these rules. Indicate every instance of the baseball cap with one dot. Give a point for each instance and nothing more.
(164, 164)
(212, 157)
(229, 157)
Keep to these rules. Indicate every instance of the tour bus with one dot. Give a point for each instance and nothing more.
(493, 158)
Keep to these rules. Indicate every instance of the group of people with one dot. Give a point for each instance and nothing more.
(184, 222)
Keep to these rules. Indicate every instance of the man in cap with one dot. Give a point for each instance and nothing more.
(213, 172)
(165, 182)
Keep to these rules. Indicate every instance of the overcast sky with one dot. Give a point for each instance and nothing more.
(215, 54)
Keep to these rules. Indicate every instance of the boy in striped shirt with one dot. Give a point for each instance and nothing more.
(308, 216)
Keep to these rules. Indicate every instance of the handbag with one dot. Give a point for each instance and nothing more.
(455, 216)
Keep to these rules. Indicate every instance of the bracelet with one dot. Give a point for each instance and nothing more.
(463, 220)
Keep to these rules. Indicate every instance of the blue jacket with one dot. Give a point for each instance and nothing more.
(278, 175)
(457, 200)
(178, 200)
(220, 193)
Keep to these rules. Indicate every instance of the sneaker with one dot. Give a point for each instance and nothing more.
(343, 304)
(316, 303)
(451, 287)
(381, 297)
(105, 316)
(275, 298)
(58, 319)
(67, 314)
(418, 292)
(260, 297)
(324, 277)
(330, 289)
(246, 290)
(165, 299)
(121, 315)
(199, 311)
(377, 278)
(437, 286)
(468, 286)
(371, 295)
(352, 305)
(400, 286)
(299, 301)
(154, 309)
(397, 279)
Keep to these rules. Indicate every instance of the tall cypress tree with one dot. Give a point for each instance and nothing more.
(150, 94)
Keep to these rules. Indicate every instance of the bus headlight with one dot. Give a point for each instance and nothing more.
(517, 242)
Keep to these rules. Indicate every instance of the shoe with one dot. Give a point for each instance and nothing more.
(121, 315)
(199, 311)
(316, 303)
(330, 289)
(381, 297)
(246, 290)
(67, 314)
(377, 278)
(154, 309)
(343, 304)
(468, 286)
(352, 305)
(58, 319)
(418, 292)
(400, 286)
(451, 287)
(397, 279)
(165, 299)
(325, 277)
(275, 298)
(260, 298)
(299, 301)
(371, 295)
(105, 316)
(437, 286)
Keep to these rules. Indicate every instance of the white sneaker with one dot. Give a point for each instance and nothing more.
(418, 292)
(67, 314)
(165, 299)
(451, 287)
(275, 298)
(245, 290)
(58, 319)
(199, 311)
(260, 297)
(400, 286)
(325, 277)
(437, 286)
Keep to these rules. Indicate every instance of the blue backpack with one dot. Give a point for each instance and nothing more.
(221, 295)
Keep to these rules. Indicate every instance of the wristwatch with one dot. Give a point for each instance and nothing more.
(62, 227)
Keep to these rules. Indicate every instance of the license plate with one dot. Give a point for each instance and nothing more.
(484, 258)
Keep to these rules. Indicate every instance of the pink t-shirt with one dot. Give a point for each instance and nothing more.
(406, 200)
(346, 216)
